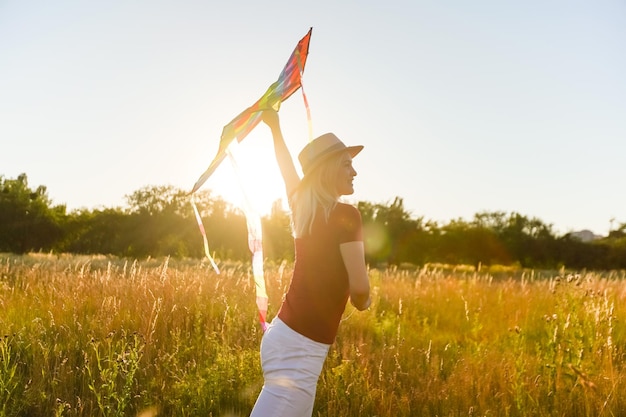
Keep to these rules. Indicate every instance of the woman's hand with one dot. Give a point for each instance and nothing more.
(270, 118)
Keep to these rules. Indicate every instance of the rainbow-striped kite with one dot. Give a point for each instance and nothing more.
(289, 81)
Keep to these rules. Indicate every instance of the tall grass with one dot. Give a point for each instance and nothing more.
(97, 336)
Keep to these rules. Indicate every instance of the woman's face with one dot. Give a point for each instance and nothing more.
(345, 175)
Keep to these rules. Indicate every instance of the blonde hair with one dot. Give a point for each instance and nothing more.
(317, 191)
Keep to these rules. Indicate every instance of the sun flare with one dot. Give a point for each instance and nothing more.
(255, 179)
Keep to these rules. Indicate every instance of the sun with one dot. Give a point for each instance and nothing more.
(256, 179)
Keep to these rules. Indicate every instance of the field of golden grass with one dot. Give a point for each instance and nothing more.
(98, 336)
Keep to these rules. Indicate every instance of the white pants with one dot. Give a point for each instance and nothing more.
(291, 364)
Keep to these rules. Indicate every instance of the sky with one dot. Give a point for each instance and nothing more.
(463, 107)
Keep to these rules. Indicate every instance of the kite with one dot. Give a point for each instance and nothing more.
(289, 81)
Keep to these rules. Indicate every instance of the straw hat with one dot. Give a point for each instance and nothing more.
(321, 148)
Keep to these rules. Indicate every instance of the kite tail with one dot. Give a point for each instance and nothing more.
(255, 243)
(306, 102)
(206, 242)
(308, 112)
(261, 293)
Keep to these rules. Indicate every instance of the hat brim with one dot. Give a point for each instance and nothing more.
(352, 151)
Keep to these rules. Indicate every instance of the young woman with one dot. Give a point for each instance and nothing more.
(329, 268)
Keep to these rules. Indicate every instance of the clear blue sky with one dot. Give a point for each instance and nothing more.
(462, 106)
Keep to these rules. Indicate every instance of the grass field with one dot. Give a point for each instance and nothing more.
(97, 336)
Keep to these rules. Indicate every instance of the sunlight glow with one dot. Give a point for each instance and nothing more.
(258, 172)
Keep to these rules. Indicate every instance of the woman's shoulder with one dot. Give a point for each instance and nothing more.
(343, 211)
(347, 221)
(346, 208)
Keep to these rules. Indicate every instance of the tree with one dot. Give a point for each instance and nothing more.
(388, 231)
(277, 236)
(158, 221)
(97, 232)
(28, 222)
(159, 199)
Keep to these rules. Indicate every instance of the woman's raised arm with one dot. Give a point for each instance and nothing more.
(283, 157)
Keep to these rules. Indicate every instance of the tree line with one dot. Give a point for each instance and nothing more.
(159, 221)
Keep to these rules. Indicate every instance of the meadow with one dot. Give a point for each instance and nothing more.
(103, 336)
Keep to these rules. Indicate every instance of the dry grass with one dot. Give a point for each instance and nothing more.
(96, 336)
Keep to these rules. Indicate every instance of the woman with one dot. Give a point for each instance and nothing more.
(329, 268)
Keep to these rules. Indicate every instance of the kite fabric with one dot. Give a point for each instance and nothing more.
(289, 81)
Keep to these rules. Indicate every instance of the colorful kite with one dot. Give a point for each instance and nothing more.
(289, 81)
